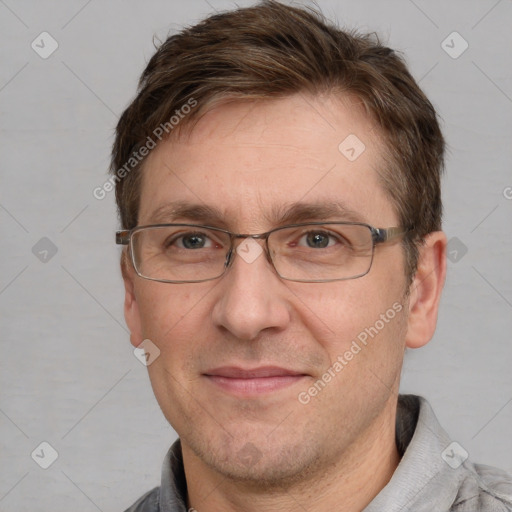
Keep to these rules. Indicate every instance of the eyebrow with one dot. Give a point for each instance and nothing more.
(291, 213)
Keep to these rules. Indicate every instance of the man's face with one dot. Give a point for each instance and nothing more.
(252, 162)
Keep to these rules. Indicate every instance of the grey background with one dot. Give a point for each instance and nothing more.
(68, 373)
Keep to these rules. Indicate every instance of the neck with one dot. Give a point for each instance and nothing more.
(348, 485)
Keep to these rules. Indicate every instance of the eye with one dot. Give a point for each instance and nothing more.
(191, 241)
(318, 240)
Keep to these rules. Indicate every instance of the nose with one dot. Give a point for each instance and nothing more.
(252, 297)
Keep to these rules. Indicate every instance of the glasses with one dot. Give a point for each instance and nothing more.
(313, 252)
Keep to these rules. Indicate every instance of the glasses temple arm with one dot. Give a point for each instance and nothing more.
(381, 235)
(123, 237)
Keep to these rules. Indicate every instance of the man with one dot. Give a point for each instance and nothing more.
(278, 183)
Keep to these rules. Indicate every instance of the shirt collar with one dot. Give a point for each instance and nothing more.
(173, 487)
(423, 480)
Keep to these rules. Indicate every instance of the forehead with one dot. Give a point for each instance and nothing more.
(248, 159)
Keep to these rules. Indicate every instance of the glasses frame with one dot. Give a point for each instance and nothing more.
(379, 236)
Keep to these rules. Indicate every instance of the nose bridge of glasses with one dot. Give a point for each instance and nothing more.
(257, 236)
(238, 239)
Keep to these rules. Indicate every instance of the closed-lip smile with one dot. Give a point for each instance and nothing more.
(252, 381)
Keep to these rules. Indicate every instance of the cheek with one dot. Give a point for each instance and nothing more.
(337, 313)
(171, 315)
(174, 318)
(364, 349)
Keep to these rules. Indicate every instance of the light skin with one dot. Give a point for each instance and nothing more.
(252, 446)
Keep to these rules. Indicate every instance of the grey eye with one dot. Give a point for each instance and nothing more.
(194, 241)
(317, 240)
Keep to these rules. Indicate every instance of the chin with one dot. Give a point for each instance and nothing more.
(260, 464)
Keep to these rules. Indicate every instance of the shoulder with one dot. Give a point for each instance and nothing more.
(150, 502)
(484, 488)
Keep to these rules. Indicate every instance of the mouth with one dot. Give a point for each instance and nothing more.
(253, 382)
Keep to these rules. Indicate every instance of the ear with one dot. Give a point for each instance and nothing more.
(425, 290)
(131, 307)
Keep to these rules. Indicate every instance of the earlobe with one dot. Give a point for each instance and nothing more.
(131, 307)
(425, 290)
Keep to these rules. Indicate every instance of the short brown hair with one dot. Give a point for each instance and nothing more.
(273, 50)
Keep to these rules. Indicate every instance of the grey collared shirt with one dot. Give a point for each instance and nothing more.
(434, 474)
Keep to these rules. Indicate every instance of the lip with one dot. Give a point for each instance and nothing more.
(247, 382)
(235, 372)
